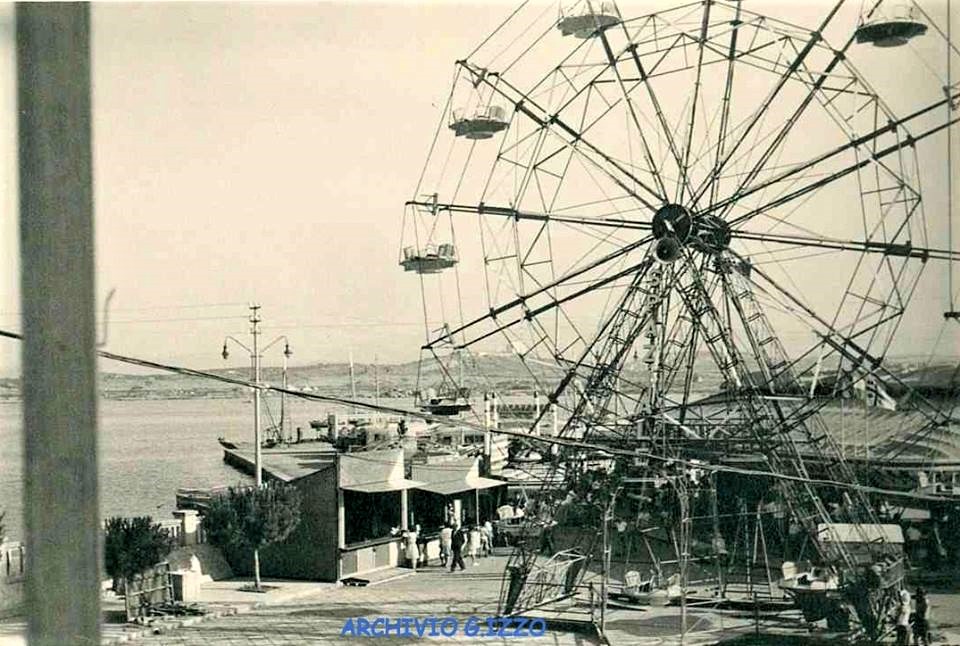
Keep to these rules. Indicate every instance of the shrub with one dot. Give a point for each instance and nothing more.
(132, 545)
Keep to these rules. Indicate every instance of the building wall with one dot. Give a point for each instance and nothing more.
(310, 552)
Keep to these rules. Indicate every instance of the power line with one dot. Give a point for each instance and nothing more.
(152, 308)
(695, 464)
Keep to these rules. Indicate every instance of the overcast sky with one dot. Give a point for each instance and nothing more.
(263, 152)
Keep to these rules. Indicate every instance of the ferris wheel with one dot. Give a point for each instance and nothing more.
(706, 144)
(700, 203)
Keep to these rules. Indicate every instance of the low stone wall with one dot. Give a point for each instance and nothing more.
(212, 562)
(12, 566)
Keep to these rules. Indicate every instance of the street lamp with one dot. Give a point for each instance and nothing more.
(255, 355)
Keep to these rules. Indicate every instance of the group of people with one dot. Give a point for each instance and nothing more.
(916, 618)
(455, 541)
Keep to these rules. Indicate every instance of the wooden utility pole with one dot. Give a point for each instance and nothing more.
(61, 508)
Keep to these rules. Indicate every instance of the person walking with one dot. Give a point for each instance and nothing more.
(921, 624)
(546, 539)
(903, 619)
(459, 538)
(446, 544)
(474, 545)
(422, 547)
(412, 552)
(486, 539)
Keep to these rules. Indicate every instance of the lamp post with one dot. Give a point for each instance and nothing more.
(255, 354)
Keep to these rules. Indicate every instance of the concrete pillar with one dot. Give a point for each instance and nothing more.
(487, 436)
(341, 514)
(404, 510)
(61, 510)
(189, 524)
(457, 512)
(333, 427)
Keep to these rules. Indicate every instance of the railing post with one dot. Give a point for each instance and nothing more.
(61, 510)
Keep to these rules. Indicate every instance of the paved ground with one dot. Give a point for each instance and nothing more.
(306, 613)
(319, 619)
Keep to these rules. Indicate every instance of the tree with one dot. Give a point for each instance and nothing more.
(132, 545)
(249, 519)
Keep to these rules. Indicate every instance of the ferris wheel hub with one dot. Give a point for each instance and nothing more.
(674, 221)
(675, 226)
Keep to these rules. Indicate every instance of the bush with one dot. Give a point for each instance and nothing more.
(247, 519)
(132, 545)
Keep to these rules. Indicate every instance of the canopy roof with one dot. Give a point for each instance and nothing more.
(863, 533)
(374, 472)
(456, 476)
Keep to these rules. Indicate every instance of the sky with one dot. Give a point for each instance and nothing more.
(263, 152)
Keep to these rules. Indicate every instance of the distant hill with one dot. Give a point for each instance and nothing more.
(503, 373)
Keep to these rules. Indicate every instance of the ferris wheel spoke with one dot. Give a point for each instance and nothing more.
(603, 359)
(570, 137)
(893, 126)
(516, 214)
(531, 314)
(855, 353)
(905, 250)
(665, 130)
(714, 176)
(870, 140)
(625, 97)
(823, 181)
(771, 97)
(838, 57)
(688, 142)
(522, 300)
(771, 427)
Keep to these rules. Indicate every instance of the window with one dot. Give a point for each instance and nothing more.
(368, 516)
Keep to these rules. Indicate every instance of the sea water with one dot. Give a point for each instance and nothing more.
(150, 448)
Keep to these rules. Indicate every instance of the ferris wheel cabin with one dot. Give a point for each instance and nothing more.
(481, 124)
(891, 28)
(586, 19)
(445, 403)
(430, 260)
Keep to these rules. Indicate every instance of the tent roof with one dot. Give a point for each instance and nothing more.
(374, 471)
(864, 533)
(455, 476)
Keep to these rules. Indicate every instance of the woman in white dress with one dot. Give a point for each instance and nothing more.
(413, 552)
(474, 544)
